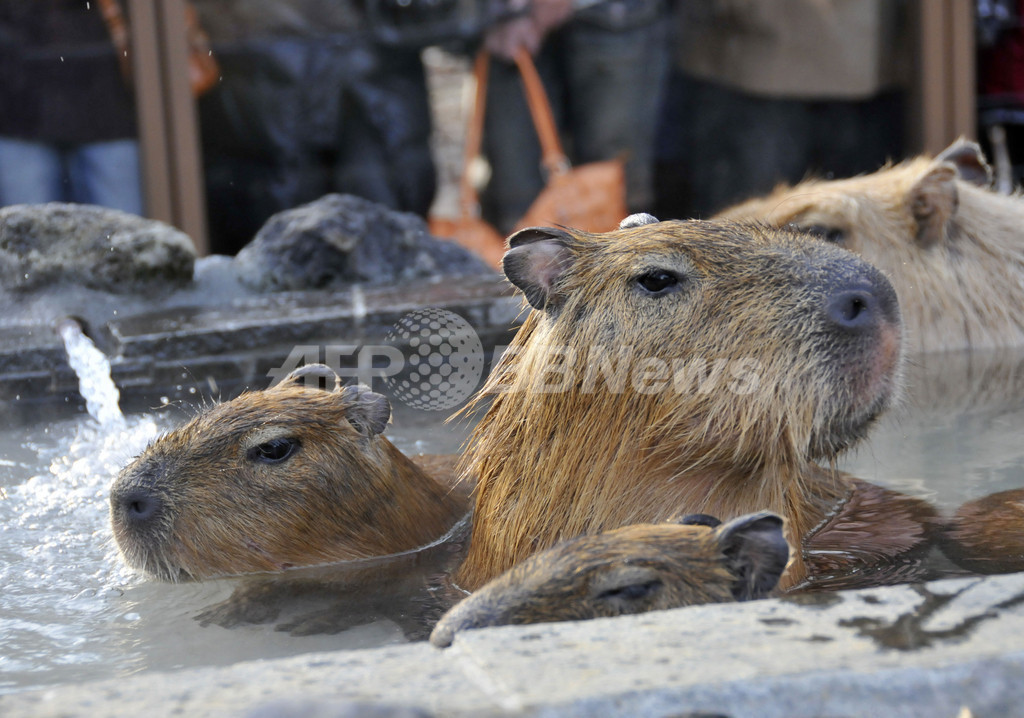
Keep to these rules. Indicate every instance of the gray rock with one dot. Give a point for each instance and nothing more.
(339, 240)
(47, 244)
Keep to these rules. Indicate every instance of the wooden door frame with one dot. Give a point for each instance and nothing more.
(944, 104)
(172, 170)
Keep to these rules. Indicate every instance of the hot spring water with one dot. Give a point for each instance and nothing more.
(70, 611)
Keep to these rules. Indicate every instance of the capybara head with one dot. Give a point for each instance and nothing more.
(289, 476)
(951, 247)
(633, 569)
(673, 367)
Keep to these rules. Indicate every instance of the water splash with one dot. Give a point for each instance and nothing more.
(93, 370)
(59, 568)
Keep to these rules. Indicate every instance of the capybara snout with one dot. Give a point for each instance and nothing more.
(290, 476)
(861, 306)
(950, 245)
(137, 502)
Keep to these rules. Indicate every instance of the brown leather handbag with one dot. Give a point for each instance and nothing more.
(203, 70)
(590, 197)
(468, 229)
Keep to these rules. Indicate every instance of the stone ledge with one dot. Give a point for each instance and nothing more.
(235, 343)
(297, 317)
(897, 651)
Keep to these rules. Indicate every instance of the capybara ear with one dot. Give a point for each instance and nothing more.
(697, 520)
(536, 259)
(368, 411)
(638, 220)
(311, 374)
(756, 551)
(933, 201)
(969, 160)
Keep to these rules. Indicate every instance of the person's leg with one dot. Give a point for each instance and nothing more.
(107, 174)
(510, 140)
(616, 84)
(30, 172)
(854, 137)
(384, 137)
(740, 145)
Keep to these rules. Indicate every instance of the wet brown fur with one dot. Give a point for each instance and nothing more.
(553, 465)
(555, 585)
(633, 569)
(345, 494)
(986, 535)
(953, 250)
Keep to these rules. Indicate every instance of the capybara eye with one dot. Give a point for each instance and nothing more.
(273, 451)
(630, 592)
(832, 235)
(658, 281)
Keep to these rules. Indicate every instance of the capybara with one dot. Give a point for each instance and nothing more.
(986, 535)
(289, 476)
(633, 569)
(953, 249)
(689, 367)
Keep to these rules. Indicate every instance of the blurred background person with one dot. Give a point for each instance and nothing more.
(309, 103)
(67, 124)
(768, 91)
(1000, 38)
(603, 65)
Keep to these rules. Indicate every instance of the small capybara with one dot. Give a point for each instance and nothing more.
(289, 476)
(633, 569)
(951, 246)
(986, 535)
(689, 367)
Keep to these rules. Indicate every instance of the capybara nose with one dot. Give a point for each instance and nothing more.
(853, 309)
(140, 506)
(862, 306)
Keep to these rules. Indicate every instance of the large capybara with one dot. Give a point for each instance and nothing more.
(633, 569)
(290, 476)
(952, 248)
(689, 367)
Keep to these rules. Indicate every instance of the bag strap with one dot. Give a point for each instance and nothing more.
(468, 197)
(553, 157)
(203, 69)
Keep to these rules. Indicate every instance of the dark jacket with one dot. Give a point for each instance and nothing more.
(60, 80)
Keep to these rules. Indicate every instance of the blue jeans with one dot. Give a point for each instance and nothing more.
(102, 173)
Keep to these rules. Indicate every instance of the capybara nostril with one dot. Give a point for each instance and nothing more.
(853, 309)
(862, 302)
(140, 506)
